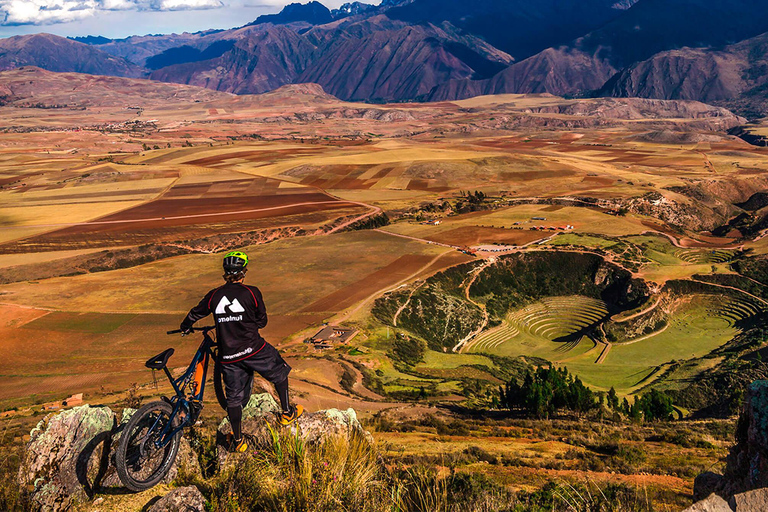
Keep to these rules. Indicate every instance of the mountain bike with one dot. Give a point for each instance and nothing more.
(150, 440)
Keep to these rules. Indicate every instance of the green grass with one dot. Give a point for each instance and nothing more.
(582, 241)
(699, 256)
(700, 324)
(530, 330)
(444, 360)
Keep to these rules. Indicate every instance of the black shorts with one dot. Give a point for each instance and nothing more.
(238, 377)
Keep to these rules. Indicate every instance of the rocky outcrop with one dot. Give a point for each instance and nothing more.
(65, 459)
(260, 423)
(713, 503)
(70, 457)
(745, 479)
(183, 499)
(747, 463)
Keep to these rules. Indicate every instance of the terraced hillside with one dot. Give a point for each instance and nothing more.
(551, 326)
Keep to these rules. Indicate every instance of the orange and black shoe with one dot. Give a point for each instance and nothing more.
(237, 445)
(287, 418)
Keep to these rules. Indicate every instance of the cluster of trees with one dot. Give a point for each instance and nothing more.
(470, 202)
(652, 406)
(546, 391)
(372, 222)
(408, 350)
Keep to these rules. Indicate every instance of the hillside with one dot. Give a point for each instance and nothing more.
(733, 76)
(422, 50)
(56, 53)
(28, 86)
(546, 293)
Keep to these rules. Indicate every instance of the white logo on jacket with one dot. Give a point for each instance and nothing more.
(224, 304)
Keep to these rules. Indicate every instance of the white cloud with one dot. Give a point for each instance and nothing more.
(46, 12)
(186, 5)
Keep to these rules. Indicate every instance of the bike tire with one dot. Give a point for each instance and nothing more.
(126, 455)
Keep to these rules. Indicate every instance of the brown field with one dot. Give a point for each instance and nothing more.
(390, 275)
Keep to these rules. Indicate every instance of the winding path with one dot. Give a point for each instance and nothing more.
(476, 272)
(639, 313)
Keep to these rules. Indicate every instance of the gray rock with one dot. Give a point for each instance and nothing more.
(747, 463)
(66, 457)
(183, 499)
(713, 503)
(70, 457)
(314, 427)
(751, 501)
(258, 406)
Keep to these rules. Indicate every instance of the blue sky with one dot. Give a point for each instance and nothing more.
(122, 18)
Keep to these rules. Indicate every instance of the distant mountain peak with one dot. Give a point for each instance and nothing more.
(312, 12)
(623, 5)
(351, 9)
(91, 39)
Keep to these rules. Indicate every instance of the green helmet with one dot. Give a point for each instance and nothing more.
(235, 262)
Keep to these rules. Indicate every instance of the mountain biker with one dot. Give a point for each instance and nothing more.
(239, 312)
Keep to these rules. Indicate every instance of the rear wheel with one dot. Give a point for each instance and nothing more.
(140, 462)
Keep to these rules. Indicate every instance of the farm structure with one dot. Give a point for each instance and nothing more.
(331, 334)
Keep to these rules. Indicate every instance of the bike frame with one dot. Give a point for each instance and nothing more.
(181, 401)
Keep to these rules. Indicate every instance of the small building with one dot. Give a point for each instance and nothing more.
(73, 400)
(331, 334)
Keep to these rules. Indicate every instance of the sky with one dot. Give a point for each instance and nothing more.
(123, 18)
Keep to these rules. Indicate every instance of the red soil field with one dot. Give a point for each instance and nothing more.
(252, 156)
(183, 212)
(396, 271)
(140, 233)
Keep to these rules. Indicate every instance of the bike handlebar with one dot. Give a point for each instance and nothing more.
(193, 329)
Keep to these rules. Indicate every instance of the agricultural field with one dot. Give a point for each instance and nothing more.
(469, 243)
(160, 189)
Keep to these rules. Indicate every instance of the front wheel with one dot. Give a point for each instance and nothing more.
(141, 460)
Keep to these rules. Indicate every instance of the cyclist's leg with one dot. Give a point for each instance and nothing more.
(248, 390)
(270, 364)
(237, 380)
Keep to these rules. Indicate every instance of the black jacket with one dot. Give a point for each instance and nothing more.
(239, 312)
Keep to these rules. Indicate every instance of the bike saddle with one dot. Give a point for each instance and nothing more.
(160, 360)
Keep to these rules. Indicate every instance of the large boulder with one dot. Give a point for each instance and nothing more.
(750, 501)
(713, 503)
(70, 457)
(65, 458)
(260, 422)
(747, 463)
(183, 499)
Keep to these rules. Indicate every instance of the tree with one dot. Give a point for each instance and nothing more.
(613, 399)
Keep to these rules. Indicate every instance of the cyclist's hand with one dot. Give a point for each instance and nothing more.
(185, 329)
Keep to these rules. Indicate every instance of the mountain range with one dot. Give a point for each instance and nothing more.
(437, 50)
